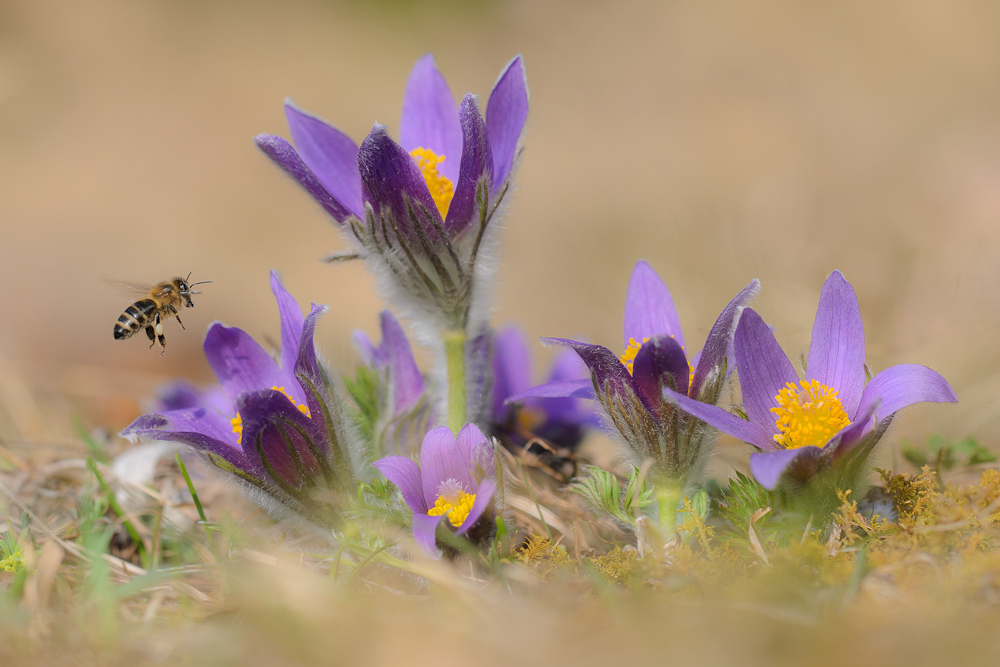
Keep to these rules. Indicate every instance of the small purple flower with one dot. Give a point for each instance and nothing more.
(404, 410)
(830, 418)
(630, 386)
(560, 421)
(409, 204)
(279, 432)
(455, 480)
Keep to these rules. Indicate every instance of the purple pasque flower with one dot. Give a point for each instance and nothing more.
(454, 481)
(281, 431)
(409, 205)
(631, 386)
(403, 403)
(560, 422)
(831, 417)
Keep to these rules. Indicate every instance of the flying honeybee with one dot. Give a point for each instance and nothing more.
(162, 301)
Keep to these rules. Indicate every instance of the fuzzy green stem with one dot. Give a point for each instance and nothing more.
(668, 494)
(454, 352)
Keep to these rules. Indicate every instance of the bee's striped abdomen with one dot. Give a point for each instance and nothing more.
(134, 318)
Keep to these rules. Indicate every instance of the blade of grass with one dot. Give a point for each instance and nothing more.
(531, 491)
(117, 509)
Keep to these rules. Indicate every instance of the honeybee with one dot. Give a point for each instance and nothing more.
(162, 301)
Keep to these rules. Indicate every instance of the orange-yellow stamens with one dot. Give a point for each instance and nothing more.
(237, 421)
(442, 189)
(454, 502)
(808, 415)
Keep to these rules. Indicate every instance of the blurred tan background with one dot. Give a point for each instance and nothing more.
(721, 141)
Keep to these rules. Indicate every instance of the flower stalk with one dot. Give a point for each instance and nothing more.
(454, 352)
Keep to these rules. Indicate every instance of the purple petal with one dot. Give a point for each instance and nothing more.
(506, 113)
(178, 396)
(568, 366)
(837, 348)
(407, 382)
(571, 411)
(660, 358)
(719, 343)
(424, 532)
(307, 366)
(484, 494)
(405, 474)
(763, 367)
(268, 417)
(205, 430)
(389, 176)
(239, 362)
(291, 322)
(370, 354)
(477, 162)
(511, 369)
(767, 467)
(901, 386)
(475, 450)
(561, 389)
(430, 116)
(649, 308)
(722, 420)
(330, 154)
(283, 155)
(609, 374)
(441, 460)
(848, 437)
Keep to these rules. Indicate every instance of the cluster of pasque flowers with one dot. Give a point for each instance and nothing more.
(419, 211)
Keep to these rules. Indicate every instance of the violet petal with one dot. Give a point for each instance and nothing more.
(307, 366)
(659, 360)
(767, 467)
(837, 348)
(722, 420)
(405, 474)
(649, 308)
(390, 176)
(719, 343)
(407, 381)
(270, 418)
(477, 162)
(506, 113)
(848, 437)
(763, 369)
(484, 495)
(559, 389)
(511, 369)
(239, 362)
(291, 322)
(430, 116)
(440, 460)
(425, 534)
(330, 154)
(609, 374)
(900, 386)
(282, 154)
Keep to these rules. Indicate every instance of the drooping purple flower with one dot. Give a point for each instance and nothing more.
(280, 431)
(631, 386)
(560, 422)
(404, 407)
(831, 417)
(409, 204)
(454, 481)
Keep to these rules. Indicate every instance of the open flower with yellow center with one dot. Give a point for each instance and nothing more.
(276, 427)
(633, 388)
(803, 427)
(416, 208)
(454, 481)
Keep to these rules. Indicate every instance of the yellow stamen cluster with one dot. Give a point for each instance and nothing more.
(456, 505)
(237, 421)
(442, 189)
(808, 415)
(628, 358)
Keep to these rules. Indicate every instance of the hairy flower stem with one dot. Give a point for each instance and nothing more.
(668, 494)
(454, 352)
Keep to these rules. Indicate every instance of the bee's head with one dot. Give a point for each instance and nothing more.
(184, 288)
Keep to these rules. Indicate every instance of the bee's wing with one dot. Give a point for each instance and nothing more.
(130, 287)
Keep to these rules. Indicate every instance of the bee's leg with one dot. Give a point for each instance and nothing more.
(180, 323)
(160, 338)
(151, 335)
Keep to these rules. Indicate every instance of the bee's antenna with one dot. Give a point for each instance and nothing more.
(203, 282)
(188, 276)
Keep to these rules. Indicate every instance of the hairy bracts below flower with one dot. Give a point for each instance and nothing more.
(281, 432)
(454, 482)
(417, 209)
(830, 419)
(630, 387)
